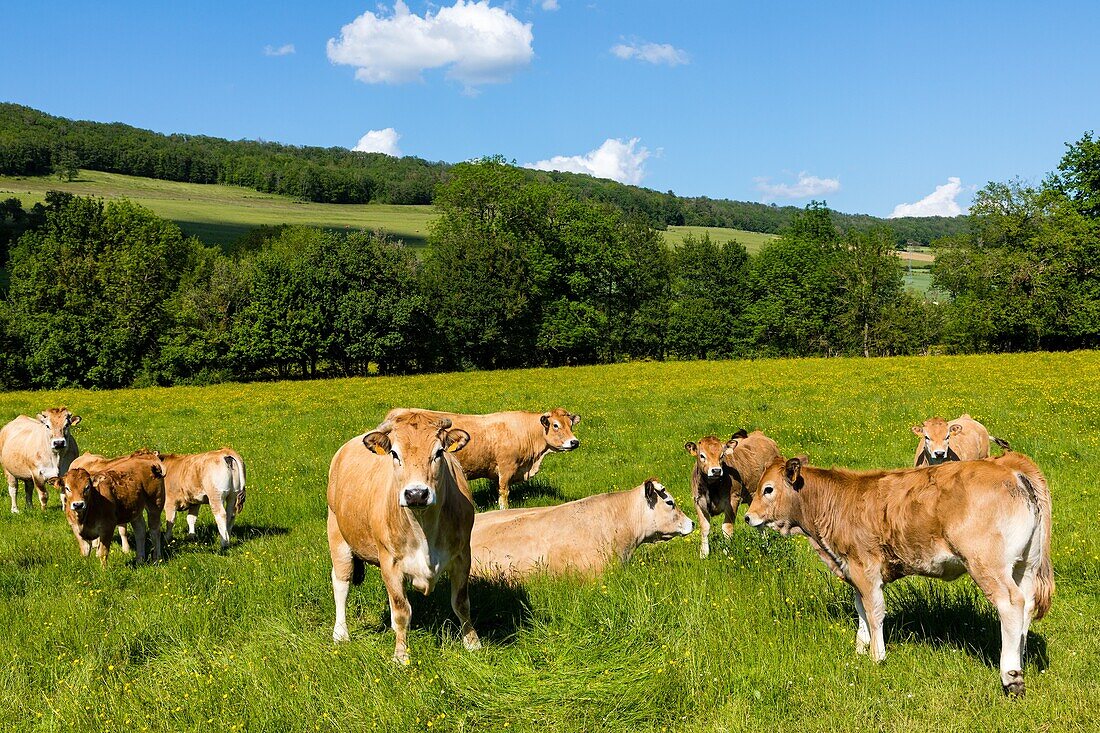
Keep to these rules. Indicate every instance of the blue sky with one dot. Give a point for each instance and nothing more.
(866, 104)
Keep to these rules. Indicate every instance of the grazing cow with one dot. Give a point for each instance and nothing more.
(962, 439)
(34, 450)
(725, 475)
(508, 447)
(990, 518)
(215, 478)
(579, 537)
(97, 503)
(397, 499)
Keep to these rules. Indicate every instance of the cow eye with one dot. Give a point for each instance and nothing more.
(395, 456)
(439, 454)
(557, 426)
(768, 489)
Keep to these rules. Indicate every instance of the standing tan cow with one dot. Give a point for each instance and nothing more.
(97, 503)
(962, 439)
(990, 518)
(579, 537)
(508, 447)
(397, 499)
(216, 478)
(34, 450)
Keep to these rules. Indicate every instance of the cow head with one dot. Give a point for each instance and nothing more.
(777, 504)
(78, 491)
(936, 436)
(420, 449)
(57, 421)
(662, 518)
(558, 427)
(708, 455)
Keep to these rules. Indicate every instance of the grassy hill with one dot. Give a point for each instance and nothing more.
(757, 637)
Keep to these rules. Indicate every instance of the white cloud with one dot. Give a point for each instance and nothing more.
(478, 44)
(285, 50)
(619, 161)
(550, 5)
(654, 53)
(805, 187)
(941, 202)
(380, 141)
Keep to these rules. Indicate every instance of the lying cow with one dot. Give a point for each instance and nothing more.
(397, 499)
(215, 478)
(990, 518)
(34, 450)
(725, 475)
(97, 503)
(508, 447)
(962, 439)
(579, 537)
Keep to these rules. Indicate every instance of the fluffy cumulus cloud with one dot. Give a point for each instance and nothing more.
(476, 43)
(805, 187)
(620, 161)
(284, 50)
(653, 53)
(380, 141)
(941, 202)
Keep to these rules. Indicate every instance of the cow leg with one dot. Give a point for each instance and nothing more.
(868, 587)
(223, 527)
(230, 515)
(13, 490)
(460, 601)
(43, 495)
(192, 519)
(104, 549)
(730, 517)
(28, 489)
(704, 527)
(1027, 590)
(1000, 588)
(504, 476)
(122, 539)
(343, 566)
(153, 512)
(169, 520)
(863, 632)
(140, 530)
(400, 610)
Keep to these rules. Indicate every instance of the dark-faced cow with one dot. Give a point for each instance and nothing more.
(990, 518)
(397, 499)
(508, 447)
(579, 537)
(34, 450)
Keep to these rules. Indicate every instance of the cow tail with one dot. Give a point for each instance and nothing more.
(1035, 484)
(236, 471)
(1001, 443)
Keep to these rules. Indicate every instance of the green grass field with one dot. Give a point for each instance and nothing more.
(757, 637)
(752, 241)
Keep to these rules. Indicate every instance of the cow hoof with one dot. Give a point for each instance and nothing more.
(340, 634)
(401, 658)
(1014, 686)
(862, 646)
(472, 643)
(704, 553)
(14, 510)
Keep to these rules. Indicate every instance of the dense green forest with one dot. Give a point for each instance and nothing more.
(35, 143)
(522, 271)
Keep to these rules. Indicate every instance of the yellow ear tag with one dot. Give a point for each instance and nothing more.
(453, 447)
(379, 450)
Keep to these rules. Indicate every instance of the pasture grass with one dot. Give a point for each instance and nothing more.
(757, 637)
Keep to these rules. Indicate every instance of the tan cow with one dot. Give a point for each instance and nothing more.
(579, 537)
(34, 450)
(990, 518)
(508, 447)
(962, 439)
(398, 500)
(97, 503)
(216, 478)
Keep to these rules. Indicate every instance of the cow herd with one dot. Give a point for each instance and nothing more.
(399, 499)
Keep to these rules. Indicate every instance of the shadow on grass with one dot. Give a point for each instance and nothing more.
(206, 536)
(942, 614)
(537, 491)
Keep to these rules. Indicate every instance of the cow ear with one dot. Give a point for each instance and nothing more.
(157, 470)
(918, 430)
(956, 429)
(792, 471)
(740, 434)
(74, 420)
(574, 419)
(377, 442)
(731, 444)
(455, 440)
(650, 493)
(43, 418)
(691, 448)
(544, 418)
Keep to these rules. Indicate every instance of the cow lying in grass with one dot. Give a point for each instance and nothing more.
(990, 518)
(579, 537)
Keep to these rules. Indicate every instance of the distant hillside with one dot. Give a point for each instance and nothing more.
(35, 143)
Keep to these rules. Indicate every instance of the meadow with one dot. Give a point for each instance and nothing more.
(757, 637)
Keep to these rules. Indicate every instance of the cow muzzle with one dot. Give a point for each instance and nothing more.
(754, 521)
(416, 497)
(939, 454)
(571, 444)
(59, 443)
(77, 506)
(714, 472)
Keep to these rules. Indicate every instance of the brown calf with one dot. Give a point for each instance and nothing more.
(397, 499)
(508, 447)
(216, 478)
(34, 450)
(990, 518)
(962, 439)
(579, 537)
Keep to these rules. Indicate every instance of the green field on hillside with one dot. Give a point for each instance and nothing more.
(758, 637)
(753, 241)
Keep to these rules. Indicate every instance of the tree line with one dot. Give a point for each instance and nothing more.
(34, 143)
(521, 272)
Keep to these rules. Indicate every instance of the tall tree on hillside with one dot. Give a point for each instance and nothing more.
(709, 296)
(870, 279)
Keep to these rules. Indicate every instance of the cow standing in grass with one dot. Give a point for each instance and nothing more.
(216, 478)
(35, 450)
(990, 518)
(962, 439)
(397, 499)
(508, 447)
